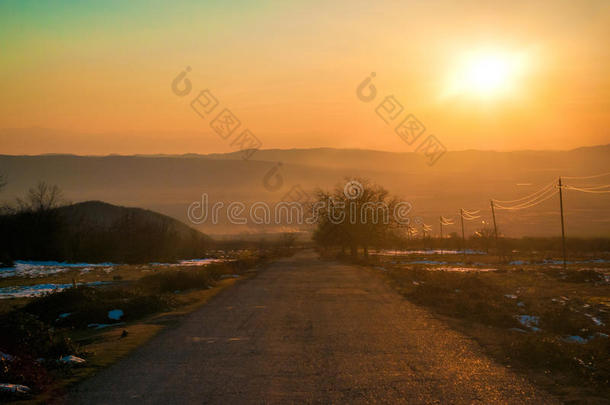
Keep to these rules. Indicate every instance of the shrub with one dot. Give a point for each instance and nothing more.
(90, 305)
(26, 335)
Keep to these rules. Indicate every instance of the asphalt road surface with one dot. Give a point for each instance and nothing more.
(308, 331)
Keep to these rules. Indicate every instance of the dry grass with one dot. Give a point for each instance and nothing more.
(105, 347)
(152, 298)
(485, 306)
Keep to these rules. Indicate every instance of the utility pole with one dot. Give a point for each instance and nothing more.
(563, 231)
(493, 214)
(423, 236)
(440, 221)
(463, 238)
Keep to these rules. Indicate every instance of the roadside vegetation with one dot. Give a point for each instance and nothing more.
(551, 322)
(512, 295)
(98, 324)
(93, 314)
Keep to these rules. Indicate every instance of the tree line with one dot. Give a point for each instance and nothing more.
(43, 226)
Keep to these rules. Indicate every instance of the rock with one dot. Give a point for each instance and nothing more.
(115, 314)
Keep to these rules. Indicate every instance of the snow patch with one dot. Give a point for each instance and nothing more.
(574, 339)
(24, 291)
(27, 268)
(104, 325)
(595, 320)
(192, 262)
(14, 389)
(71, 359)
(529, 321)
(427, 252)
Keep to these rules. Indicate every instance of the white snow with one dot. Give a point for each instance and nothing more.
(517, 262)
(461, 269)
(574, 339)
(426, 252)
(426, 262)
(22, 291)
(14, 388)
(71, 359)
(104, 325)
(192, 262)
(529, 321)
(595, 320)
(27, 268)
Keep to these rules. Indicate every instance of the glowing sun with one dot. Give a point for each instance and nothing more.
(485, 74)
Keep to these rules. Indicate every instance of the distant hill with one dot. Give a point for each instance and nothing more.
(460, 179)
(95, 231)
(104, 216)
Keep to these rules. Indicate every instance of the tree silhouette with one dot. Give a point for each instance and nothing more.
(356, 214)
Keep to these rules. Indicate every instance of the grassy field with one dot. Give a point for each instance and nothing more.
(37, 331)
(529, 314)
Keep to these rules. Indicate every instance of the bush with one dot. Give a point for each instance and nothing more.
(90, 305)
(172, 280)
(24, 334)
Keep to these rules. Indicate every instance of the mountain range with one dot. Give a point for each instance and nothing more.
(460, 179)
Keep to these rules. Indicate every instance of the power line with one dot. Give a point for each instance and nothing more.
(592, 187)
(541, 191)
(528, 205)
(593, 190)
(538, 198)
(467, 215)
(587, 177)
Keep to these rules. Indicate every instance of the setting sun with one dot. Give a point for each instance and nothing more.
(488, 74)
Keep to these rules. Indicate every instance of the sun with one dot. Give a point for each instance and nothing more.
(485, 74)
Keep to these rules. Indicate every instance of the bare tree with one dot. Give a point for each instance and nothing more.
(483, 237)
(41, 198)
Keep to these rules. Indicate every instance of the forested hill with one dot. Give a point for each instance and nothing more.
(95, 231)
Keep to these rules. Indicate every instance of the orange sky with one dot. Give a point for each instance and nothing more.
(98, 75)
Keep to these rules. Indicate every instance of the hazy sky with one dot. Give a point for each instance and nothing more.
(99, 73)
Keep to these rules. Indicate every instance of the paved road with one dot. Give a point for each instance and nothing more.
(308, 331)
